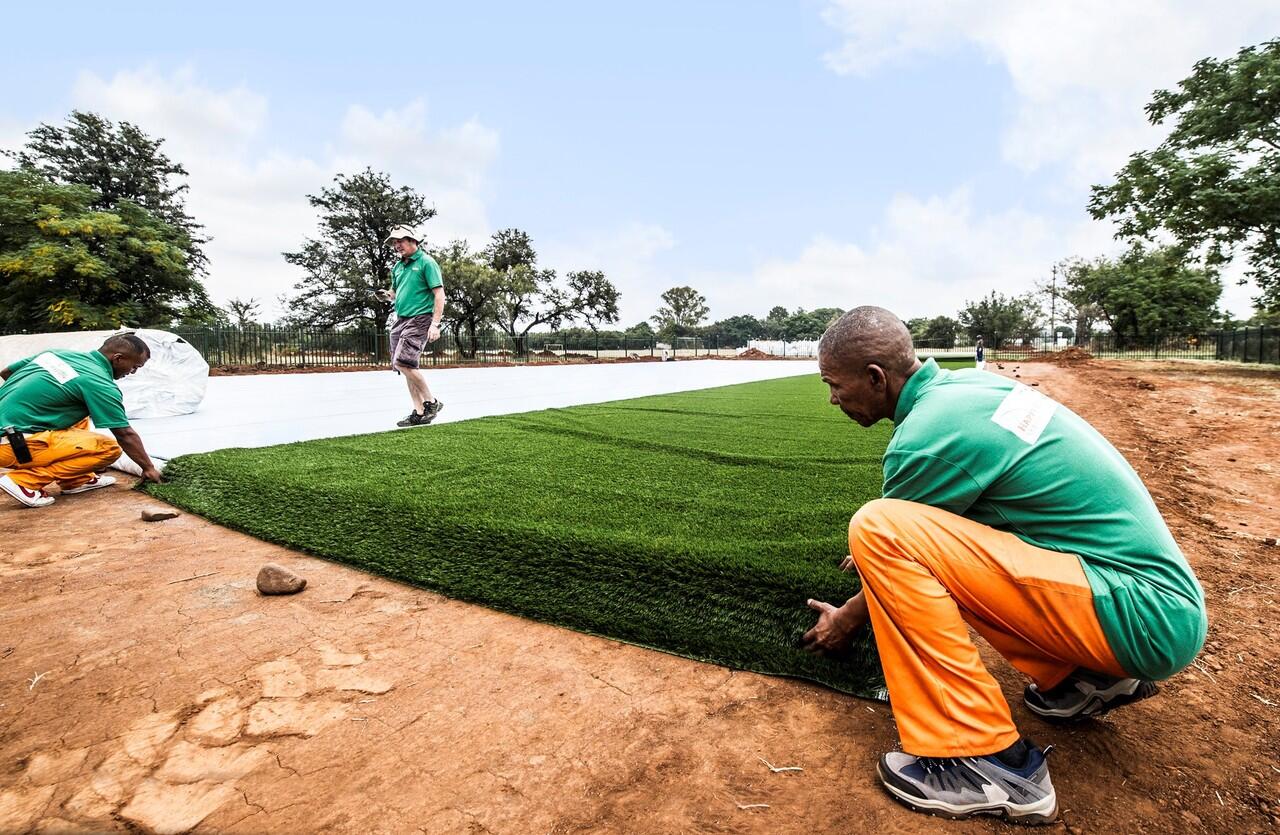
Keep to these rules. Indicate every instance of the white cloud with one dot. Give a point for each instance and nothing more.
(628, 256)
(253, 201)
(926, 257)
(1082, 71)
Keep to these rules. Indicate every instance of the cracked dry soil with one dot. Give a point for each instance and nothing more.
(138, 695)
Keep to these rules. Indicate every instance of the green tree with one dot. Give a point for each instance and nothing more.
(934, 332)
(682, 309)
(737, 331)
(121, 164)
(775, 322)
(1146, 294)
(530, 296)
(998, 318)
(349, 263)
(65, 265)
(1214, 183)
(473, 293)
(242, 312)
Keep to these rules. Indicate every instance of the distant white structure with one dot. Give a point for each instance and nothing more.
(779, 348)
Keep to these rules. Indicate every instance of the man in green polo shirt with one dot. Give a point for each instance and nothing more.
(417, 290)
(1005, 511)
(46, 402)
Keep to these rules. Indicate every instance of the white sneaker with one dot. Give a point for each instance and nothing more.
(98, 481)
(30, 498)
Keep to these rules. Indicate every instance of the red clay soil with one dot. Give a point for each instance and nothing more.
(146, 686)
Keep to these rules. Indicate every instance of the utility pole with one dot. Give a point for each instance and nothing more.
(1053, 307)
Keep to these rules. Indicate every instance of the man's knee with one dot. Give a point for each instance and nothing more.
(876, 524)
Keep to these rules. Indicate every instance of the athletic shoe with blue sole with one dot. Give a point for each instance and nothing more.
(965, 787)
(1085, 694)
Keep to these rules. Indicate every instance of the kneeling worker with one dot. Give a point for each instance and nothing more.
(45, 404)
(1005, 511)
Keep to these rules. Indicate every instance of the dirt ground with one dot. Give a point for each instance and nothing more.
(145, 686)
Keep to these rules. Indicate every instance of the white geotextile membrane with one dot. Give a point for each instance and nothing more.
(264, 409)
(171, 383)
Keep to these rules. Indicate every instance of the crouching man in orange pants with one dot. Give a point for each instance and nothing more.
(47, 399)
(1004, 511)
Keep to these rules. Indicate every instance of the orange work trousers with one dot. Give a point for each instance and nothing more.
(925, 574)
(70, 457)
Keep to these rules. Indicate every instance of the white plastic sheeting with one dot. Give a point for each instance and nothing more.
(260, 410)
(171, 383)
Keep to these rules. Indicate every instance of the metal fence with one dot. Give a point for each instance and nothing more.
(272, 347)
(1253, 345)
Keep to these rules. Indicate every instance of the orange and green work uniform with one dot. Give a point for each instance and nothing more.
(1004, 510)
(49, 398)
(413, 279)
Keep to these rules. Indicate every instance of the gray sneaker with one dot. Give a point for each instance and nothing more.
(1084, 694)
(430, 410)
(962, 787)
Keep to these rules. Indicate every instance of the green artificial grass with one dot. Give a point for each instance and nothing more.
(694, 523)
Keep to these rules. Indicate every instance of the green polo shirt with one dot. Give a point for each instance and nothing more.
(58, 389)
(1003, 454)
(413, 280)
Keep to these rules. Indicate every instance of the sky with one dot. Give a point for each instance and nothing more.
(913, 154)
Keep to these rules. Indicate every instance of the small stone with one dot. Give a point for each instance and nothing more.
(1035, 384)
(1272, 541)
(276, 579)
(159, 515)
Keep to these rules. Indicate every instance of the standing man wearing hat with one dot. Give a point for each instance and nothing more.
(417, 291)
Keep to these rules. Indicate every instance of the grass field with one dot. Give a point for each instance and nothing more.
(693, 523)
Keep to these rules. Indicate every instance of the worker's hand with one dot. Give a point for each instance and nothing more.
(833, 633)
(433, 333)
(846, 564)
(153, 475)
(387, 295)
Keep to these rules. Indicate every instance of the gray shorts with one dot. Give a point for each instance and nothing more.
(408, 338)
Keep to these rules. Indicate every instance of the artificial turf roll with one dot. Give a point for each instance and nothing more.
(695, 523)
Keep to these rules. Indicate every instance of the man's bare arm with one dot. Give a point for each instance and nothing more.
(5, 372)
(131, 442)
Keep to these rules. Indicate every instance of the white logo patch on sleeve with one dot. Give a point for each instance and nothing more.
(1025, 412)
(56, 366)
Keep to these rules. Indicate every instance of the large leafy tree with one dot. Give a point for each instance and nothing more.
(682, 310)
(66, 265)
(530, 296)
(736, 331)
(348, 262)
(473, 294)
(1214, 183)
(997, 318)
(934, 332)
(121, 164)
(1145, 293)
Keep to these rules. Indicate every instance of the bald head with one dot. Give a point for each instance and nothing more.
(868, 336)
(126, 352)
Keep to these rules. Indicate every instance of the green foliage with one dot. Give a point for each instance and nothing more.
(936, 332)
(1145, 293)
(998, 318)
(473, 288)
(696, 523)
(349, 263)
(529, 297)
(122, 165)
(734, 332)
(242, 312)
(682, 310)
(1214, 183)
(65, 265)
